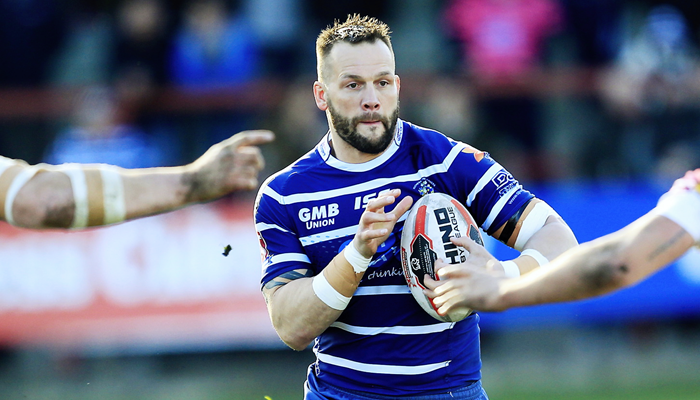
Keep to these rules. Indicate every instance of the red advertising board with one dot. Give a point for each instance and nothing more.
(153, 284)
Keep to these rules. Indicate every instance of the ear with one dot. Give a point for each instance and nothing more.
(398, 84)
(320, 96)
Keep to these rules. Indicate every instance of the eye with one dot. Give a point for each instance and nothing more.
(353, 85)
(384, 83)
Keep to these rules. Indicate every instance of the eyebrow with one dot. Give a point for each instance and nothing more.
(358, 77)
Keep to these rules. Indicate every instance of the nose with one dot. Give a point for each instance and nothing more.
(370, 101)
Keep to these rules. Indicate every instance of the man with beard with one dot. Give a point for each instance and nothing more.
(46, 196)
(337, 211)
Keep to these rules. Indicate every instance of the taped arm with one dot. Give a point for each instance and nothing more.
(538, 232)
(609, 263)
(87, 195)
(302, 306)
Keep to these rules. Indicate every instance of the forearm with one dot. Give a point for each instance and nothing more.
(301, 310)
(578, 273)
(156, 190)
(81, 196)
(612, 262)
(298, 315)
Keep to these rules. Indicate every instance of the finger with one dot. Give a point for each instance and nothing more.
(454, 271)
(466, 242)
(370, 234)
(376, 217)
(430, 283)
(440, 263)
(403, 206)
(252, 138)
(377, 204)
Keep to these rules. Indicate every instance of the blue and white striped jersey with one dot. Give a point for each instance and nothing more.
(383, 342)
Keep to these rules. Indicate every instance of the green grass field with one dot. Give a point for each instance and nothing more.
(552, 365)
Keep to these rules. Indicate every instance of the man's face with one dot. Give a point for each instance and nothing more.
(362, 94)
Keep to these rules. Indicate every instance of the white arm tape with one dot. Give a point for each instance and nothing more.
(327, 293)
(682, 208)
(541, 260)
(6, 163)
(534, 221)
(80, 194)
(511, 269)
(17, 183)
(113, 189)
(359, 262)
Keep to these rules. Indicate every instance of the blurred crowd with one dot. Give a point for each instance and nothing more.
(554, 89)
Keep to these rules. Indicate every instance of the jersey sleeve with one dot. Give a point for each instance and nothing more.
(492, 194)
(280, 248)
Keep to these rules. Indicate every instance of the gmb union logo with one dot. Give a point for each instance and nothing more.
(319, 216)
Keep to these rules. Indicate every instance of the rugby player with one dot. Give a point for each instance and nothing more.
(338, 212)
(85, 195)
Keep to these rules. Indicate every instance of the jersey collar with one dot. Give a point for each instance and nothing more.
(324, 150)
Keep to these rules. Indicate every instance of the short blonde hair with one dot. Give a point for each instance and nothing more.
(356, 29)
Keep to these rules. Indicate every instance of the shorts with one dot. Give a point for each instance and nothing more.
(473, 391)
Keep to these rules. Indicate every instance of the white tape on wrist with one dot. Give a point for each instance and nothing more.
(359, 262)
(327, 293)
(541, 260)
(511, 269)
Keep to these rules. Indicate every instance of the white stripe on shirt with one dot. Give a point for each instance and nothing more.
(483, 181)
(379, 290)
(496, 209)
(300, 257)
(394, 330)
(365, 186)
(380, 368)
(261, 226)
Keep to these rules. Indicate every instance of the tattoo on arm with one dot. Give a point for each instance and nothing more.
(284, 279)
(665, 246)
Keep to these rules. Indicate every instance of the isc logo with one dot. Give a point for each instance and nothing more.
(319, 216)
(448, 225)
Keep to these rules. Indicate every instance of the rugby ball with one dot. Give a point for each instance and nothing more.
(431, 222)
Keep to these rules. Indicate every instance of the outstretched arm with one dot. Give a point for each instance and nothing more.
(78, 196)
(611, 262)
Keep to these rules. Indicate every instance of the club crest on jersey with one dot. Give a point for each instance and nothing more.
(424, 186)
(319, 216)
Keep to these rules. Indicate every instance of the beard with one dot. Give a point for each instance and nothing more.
(347, 130)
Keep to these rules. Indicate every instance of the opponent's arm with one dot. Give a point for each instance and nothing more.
(79, 196)
(611, 262)
(302, 307)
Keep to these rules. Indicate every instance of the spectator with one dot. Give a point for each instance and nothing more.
(213, 48)
(652, 89)
(502, 41)
(99, 135)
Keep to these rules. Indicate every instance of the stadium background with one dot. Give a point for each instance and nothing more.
(593, 104)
